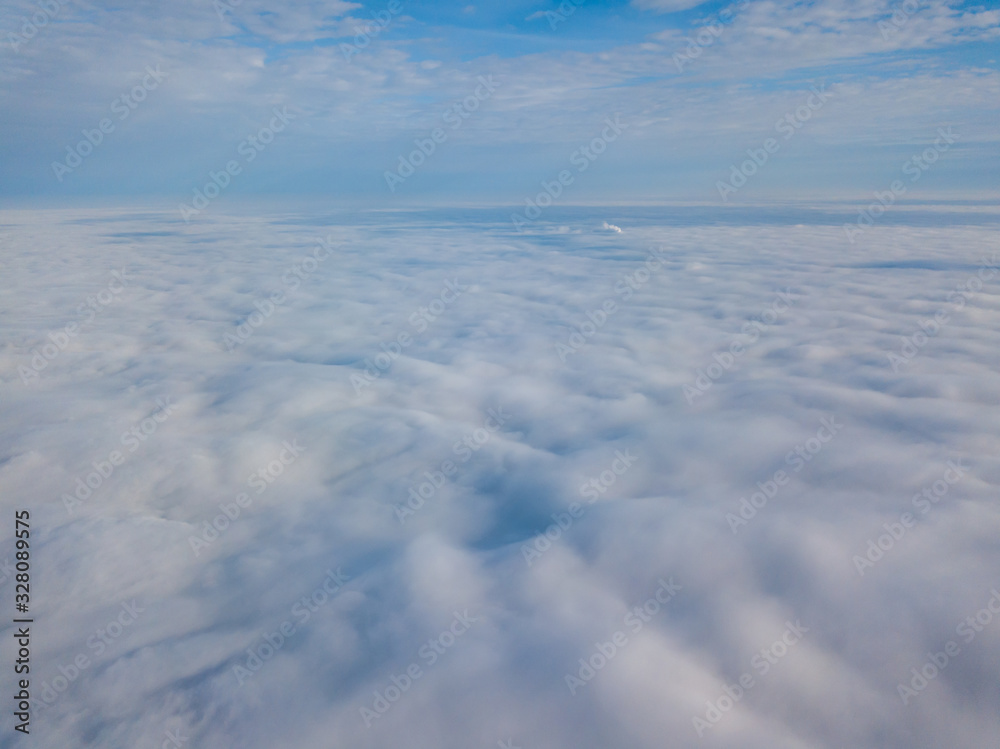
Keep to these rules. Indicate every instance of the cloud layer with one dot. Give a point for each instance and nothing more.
(438, 445)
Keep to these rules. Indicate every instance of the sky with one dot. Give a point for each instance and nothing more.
(695, 86)
(536, 375)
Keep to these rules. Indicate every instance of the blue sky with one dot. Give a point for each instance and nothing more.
(557, 78)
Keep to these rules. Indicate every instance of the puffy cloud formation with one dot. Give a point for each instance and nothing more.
(304, 478)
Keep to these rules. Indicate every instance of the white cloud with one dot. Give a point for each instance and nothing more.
(378, 101)
(666, 6)
(494, 347)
